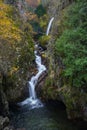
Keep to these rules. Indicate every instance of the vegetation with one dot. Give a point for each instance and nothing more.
(43, 21)
(16, 51)
(44, 40)
(40, 11)
(39, 23)
(8, 28)
(72, 45)
(14, 38)
(51, 91)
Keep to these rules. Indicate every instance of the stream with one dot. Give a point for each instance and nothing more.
(32, 114)
(32, 101)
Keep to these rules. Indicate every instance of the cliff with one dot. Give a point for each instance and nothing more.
(33, 3)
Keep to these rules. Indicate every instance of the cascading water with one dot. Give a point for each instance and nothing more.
(50, 117)
(49, 26)
(33, 101)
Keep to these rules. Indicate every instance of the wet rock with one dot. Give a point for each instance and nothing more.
(42, 77)
(40, 83)
(4, 109)
(75, 102)
(21, 129)
(85, 113)
(4, 121)
(9, 128)
(17, 94)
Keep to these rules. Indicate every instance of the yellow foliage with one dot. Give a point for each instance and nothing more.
(13, 70)
(43, 21)
(8, 29)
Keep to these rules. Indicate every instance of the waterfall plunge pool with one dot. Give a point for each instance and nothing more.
(50, 117)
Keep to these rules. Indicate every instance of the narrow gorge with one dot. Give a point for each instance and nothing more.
(43, 65)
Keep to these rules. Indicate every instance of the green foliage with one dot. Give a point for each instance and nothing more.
(49, 90)
(40, 11)
(72, 45)
(43, 40)
(36, 26)
(43, 21)
(26, 57)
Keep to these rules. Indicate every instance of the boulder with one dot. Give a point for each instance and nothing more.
(4, 121)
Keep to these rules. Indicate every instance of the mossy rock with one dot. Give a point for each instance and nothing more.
(74, 100)
(43, 41)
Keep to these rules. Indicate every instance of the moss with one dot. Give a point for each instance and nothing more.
(43, 22)
(44, 40)
(49, 90)
(74, 101)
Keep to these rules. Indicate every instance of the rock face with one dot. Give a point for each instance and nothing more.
(4, 109)
(4, 122)
(33, 3)
(40, 84)
(60, 3)
(45, 2)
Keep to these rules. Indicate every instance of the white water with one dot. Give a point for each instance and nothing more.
(33, 101)
(49, 26)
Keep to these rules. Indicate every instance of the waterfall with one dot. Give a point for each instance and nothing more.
(33, 101)
(49, 26)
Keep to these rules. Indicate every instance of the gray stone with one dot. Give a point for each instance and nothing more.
(4, 121)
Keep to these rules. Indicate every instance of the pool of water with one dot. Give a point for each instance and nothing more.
(50, 117)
